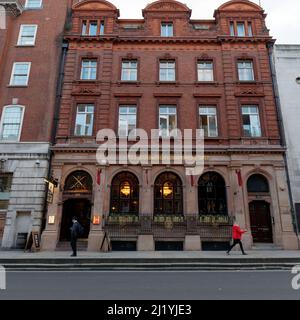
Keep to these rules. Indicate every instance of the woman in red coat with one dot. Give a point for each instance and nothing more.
(237, 233)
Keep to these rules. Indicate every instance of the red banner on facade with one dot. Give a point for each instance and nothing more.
(99, 176)
(239, 177)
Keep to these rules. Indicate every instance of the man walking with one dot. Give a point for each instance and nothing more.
(237, 233)
(75, 232)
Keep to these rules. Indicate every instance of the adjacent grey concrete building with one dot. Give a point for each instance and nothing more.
(287, 64)
(30, 46)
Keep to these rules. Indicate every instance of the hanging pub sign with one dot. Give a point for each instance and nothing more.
(52, 183)
(50, 192)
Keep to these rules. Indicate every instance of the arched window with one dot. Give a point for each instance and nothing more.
(212, 194)
(125, 194)
(168, 197)
(257, 183)
(79, 181)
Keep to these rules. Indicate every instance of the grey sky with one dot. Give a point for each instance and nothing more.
(283, 15)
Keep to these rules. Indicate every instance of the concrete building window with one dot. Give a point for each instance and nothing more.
(205, 71)
(127, 120)
(11, 123)
(212, 195)
(251, 121)
(5, 187)
(167, 70)
(167, 120)
(20, 74)
(5, 182)
(84, 120)
(129, 70)
(33, 4)
(167, 29)
(168, 195)
(245, 70)
(88, 69)
(27, 35)
(124, 194)
(208, 121)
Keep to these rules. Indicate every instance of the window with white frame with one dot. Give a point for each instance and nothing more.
(33, 4)
(240, 27)
(11, 123)
(208, 121)
(251, 121)
(92, 27)
(167, 70)
(127, 120)
(232, 33)
(102, 27)
(167, 119)
(84, 120)
(167, 29)
(245, 70)
(205, 71)
(20, 74)
(129, 70)
(250, 31)
(88, 69)
(27, 35)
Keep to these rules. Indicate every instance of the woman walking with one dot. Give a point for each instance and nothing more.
(237, 233)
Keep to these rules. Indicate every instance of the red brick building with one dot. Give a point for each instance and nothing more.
(30, 48)
(168, 71)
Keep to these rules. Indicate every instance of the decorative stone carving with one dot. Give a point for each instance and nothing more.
(248, 91)
(86, 91)
(13, 7)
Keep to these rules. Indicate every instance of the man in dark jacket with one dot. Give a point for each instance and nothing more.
(75, 232)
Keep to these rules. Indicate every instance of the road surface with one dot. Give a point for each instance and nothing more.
(159, 285)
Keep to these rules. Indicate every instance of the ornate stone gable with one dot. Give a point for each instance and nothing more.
(166, 6)
(94, 5)
(240, 5)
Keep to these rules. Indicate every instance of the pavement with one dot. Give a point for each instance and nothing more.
(256, 254)
(157, 260)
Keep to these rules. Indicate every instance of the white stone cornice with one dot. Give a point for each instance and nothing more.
(13, 7)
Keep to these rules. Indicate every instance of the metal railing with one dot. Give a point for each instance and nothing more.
(213, 228)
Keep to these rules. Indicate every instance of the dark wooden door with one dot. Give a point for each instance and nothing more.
(261, 223)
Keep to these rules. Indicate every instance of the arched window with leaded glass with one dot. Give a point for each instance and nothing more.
(212, 196)
(79, 182)
(125, 194)
(168, 195)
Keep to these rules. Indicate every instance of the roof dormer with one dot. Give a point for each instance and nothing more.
(241, 18)
(166, 18)
(94, 17)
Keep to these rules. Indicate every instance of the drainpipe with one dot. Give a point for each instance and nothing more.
(59, 87)
(270, 47)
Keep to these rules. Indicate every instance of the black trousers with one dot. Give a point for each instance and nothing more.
(74, 245)
(235, 242)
